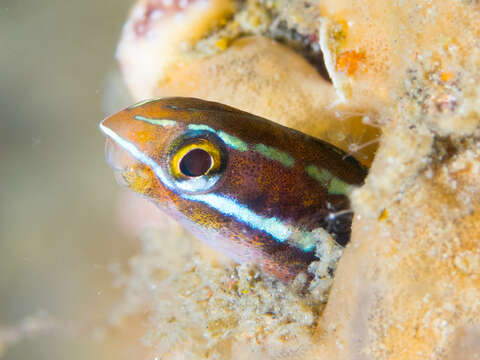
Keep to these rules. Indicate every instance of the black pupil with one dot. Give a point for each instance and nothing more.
(195, 163)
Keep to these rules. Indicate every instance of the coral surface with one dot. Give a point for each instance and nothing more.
(408, 284)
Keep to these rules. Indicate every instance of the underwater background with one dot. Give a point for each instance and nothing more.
(58, 234)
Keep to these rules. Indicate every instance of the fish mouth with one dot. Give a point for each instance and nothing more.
(119, 159)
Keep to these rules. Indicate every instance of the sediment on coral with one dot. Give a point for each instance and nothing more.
(215, 307)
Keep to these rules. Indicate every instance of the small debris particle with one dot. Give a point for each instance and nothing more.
(222, 43)
(349, 61)
(383, 216)
(447, 76)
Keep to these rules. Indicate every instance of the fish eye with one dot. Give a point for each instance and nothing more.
(197, 161)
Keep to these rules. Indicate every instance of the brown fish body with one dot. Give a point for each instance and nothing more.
(251, 188)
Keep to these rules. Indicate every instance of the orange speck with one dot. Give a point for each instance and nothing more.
(308, 202)
(447, 76)
(384, 215)
(144, 136)
(209, 292)
(349, 61)
(221, 43)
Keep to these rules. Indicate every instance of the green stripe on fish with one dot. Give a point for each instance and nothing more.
(158, 122)
(334, 185)
(275, 154)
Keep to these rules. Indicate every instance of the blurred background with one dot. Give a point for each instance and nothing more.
(58, 232)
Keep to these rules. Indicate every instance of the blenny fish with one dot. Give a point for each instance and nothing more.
(251, 188)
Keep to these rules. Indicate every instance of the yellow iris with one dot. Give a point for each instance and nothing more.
(201, 144)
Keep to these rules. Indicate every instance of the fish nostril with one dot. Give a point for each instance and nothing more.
(195, 163)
